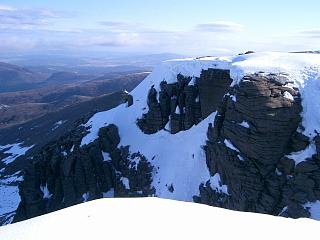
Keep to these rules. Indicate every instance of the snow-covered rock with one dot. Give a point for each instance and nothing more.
(274, 92)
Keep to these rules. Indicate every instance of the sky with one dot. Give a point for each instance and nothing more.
(202, 27)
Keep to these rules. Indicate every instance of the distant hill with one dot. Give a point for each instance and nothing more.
(15, 78)
(68, 77)
(19, 107)
(51, 126)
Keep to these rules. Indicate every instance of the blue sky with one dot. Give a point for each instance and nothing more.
(188, 27)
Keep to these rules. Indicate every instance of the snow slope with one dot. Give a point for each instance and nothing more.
(151, 218)
(14, 150)
(179, 157)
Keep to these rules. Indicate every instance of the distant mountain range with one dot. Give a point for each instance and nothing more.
(14, 78)
(22, 106)
(48, 70)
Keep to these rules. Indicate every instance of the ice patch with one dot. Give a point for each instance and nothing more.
(125, 182)
(45, 191)
(106, 156)
(303, 154)
(215, 184)
(283, 210)
(168, 126)
(314, 209)
(288, 95)
(85, 197)
(192, 82)
(229, 144)
(244, 124)
(109, 194)
(14, 178)
(135, 161)
(58, 124)
(15, 150)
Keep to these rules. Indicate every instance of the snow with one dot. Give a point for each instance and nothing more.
(288, 95)
(192, 82)
(229, 144)
(106, 156)
(109, 194)
(240, 157)
(314, 209)
(152, 218)
(85, 196)
(9, 194)
(302, 69)
(177, 111)
(3, 106)
(15, 150)
(125, 182)
(244, 124)
(179, 157)
(10, 202)
(303, 154)
(16, 177)
(134, 162)
(215, 184)
(58, 124)
(278, 172)
(168, 126)
(45, 191)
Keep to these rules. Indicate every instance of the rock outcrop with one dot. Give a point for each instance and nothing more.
(255, 128)
(251, 145)
(184, 103)
(64, 174)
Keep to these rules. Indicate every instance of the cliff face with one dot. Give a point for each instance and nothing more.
(255, 128)
(184, 103)
(195, 131)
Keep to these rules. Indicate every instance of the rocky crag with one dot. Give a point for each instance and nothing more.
(252, 145)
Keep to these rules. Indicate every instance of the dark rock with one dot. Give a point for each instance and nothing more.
(298, 142)
(286, 165)
(213, 85)
(306, 166)
(262, 179)
(82, 174)
(109, 138)
(183, 104)
(127, 98)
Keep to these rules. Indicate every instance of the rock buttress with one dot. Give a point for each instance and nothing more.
(255, 127)
(184, 103)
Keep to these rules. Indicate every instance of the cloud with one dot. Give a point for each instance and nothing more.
(6, 8)
(219, 26)
(12, 18)
(118, 24)
(311, 33)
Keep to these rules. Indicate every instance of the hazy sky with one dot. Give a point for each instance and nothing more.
(202, 27)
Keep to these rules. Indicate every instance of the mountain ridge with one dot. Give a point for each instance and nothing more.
(196, 156)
